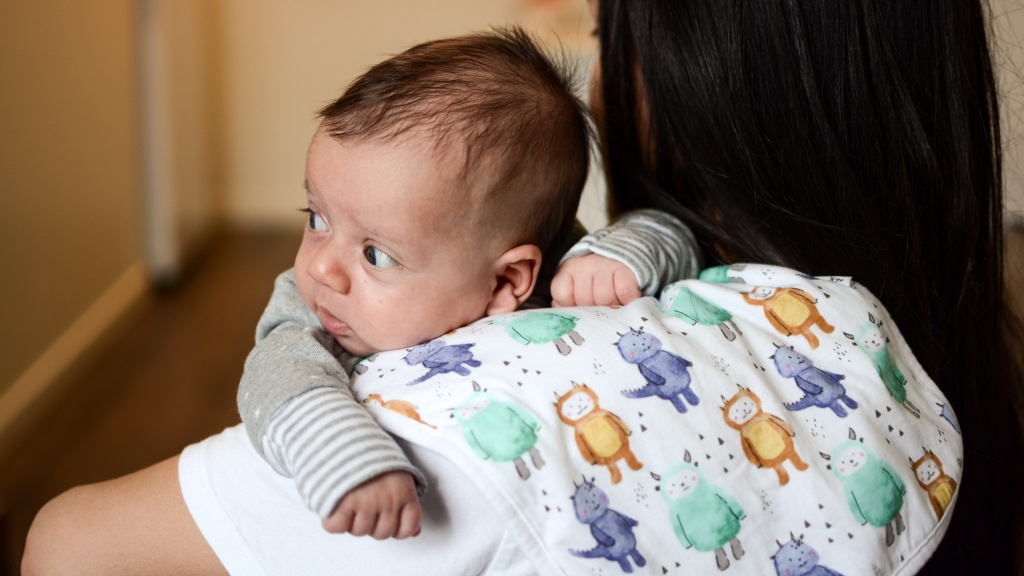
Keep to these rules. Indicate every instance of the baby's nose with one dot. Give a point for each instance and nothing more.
(329, 270)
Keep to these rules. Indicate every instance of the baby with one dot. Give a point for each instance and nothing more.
(441, 187)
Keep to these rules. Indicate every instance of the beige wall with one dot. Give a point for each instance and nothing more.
(68, 167)
(284, 60)
(76, 140)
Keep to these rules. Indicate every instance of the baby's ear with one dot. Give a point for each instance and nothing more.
(516, 271)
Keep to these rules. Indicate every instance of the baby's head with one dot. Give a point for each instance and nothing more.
(435, 184)
(497, 111)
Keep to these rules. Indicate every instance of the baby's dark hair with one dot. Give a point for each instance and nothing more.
(500, 100)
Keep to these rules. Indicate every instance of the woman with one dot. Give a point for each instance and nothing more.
(860, 138)
(855, 138)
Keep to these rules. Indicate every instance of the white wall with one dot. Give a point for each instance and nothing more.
(177, 60)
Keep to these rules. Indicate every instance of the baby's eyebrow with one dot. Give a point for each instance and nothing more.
(309, 190)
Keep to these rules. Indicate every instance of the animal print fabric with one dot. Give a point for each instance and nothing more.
(755, 421)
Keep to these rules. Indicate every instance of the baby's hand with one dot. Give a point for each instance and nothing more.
(594, 280)
(383, 507)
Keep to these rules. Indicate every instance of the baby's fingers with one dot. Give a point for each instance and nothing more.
(562, 290)
(365, 523)
(398, 524)
(409, 525)
(386, 527)
(626, 287)
(603, 290)
(340, 521)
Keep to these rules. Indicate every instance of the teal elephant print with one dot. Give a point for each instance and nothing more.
(703, 516)
(874, 344)
(874, 491)
(677, 300)
(541, 328)
(720, 274)
(499, 430)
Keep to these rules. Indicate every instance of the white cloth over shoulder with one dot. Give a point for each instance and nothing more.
(769, 422)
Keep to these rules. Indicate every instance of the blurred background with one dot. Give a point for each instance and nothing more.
(151, 165)
(151, 168)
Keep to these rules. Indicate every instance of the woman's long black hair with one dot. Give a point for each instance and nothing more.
(855, 138)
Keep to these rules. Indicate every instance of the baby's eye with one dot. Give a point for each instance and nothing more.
(377, 257)
(315, 221)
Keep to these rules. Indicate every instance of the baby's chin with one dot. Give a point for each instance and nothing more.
(355, 347)
(360, 348)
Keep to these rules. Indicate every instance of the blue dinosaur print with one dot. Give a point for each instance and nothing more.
(797, 558)
(821, 388)
(612, 530)
(441, 359)
(666, 373)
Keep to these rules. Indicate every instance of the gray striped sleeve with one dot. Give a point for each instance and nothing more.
(291, 355)
(655, 245)
(299, 412)
(330, 445)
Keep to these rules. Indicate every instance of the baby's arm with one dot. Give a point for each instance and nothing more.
(638, 255)
(302, 418)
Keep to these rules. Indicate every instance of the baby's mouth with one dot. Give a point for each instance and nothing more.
(332, 324)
